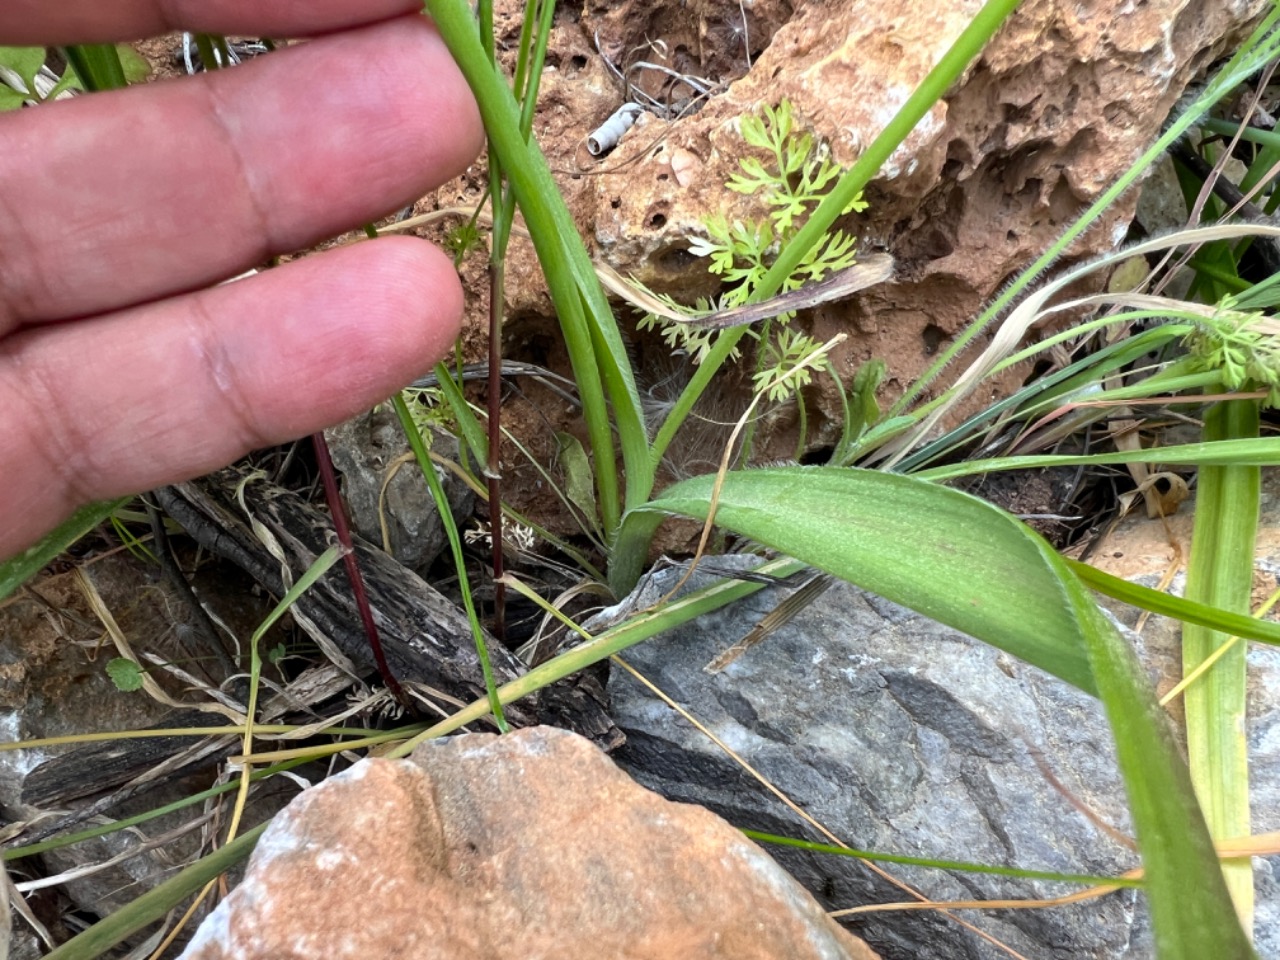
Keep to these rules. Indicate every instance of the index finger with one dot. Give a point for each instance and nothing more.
(92, 21)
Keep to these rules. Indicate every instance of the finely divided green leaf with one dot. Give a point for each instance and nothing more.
(26, 63)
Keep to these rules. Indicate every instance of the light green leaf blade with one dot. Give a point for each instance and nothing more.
(26, 63)
(580, 485)
(1179, 608)
(11, 99)
(948, 555)
(1191, 911)
(135, 66)
(126, 674)
(1253, 451)
(469, 425)
(967, 564)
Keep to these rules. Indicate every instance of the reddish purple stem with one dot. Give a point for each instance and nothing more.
(343, 528)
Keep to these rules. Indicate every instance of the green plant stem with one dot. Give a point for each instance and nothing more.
(56, 843)
(1220, 574)
(213, 50)
(637, 629)
(493, 403)
(961, 865)
(97, 65)
(594, 343)
(17, 570)
(455, 545)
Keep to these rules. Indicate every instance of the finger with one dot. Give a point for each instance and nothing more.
(92, 21)
(117, 198)
(163, 392)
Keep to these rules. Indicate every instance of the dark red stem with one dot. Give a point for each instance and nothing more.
(343, 528)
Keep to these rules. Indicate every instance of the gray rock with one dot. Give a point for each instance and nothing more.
(365, 452)
(1142, 550)
(53, 683)
(902, 736)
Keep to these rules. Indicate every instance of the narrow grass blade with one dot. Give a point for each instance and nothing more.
(16, 571)
(158, 901)
(473, 432)
(963, 865)
(455, 545)
(1179, 608)
(1242, 452)
(637, 629)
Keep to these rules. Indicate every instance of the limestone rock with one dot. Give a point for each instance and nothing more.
(382, 484)
(1063, 100)
(532, 845)
(53, 683)
(901, 735)
(1142, 550)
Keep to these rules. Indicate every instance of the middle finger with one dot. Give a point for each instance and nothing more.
(123, 197)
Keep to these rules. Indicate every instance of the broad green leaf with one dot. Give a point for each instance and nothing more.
(24, 63)
(944, 553)
(967, 564)
(11, 99)
(135, 66)
(16, 571)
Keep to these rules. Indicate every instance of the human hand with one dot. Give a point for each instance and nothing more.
(121, 368)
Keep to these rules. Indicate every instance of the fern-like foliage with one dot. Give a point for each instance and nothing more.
(1242, 346)
(793, 180)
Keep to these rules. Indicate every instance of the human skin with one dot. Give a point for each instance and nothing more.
(123, 365)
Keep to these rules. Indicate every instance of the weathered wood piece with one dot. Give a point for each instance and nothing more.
(426, 637)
